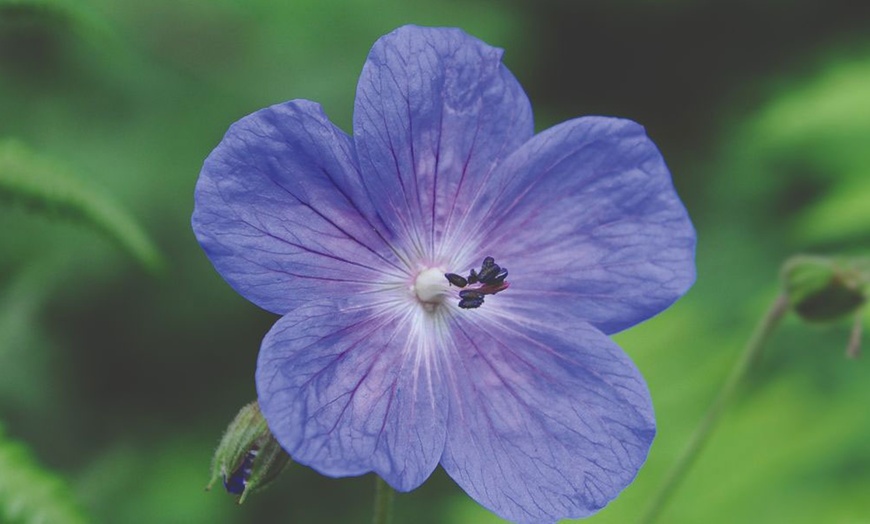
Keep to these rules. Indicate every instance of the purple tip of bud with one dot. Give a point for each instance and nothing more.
(238, 479)
(235, 484)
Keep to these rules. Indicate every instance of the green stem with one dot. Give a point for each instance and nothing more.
(384, 495)
(702, 433)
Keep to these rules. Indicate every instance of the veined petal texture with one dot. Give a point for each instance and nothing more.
(348, 391)
(546, 420)
(435, 112)
(588, 219)
(282, 213)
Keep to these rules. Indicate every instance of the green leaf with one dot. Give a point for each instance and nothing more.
(37, 183)
(842, 215)
(25, 361)
(804, 157)
(30, 494)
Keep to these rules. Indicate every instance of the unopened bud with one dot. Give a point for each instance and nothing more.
(823, 289)
(248, 457)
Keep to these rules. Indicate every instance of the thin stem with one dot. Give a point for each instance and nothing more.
(384, 495)
(853, 350)
(702, 433)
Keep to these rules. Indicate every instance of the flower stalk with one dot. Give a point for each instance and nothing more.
(384, 496)
(693, 449)
(853, 350)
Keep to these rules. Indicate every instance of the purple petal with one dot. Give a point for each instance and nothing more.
(435, 112)
(347, 391)
(588, 219)
(546, 421)
(282, 214)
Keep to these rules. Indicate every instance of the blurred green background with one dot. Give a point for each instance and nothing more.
(116, 380)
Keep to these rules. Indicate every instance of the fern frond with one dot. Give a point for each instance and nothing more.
(31, 495)
(44, 186)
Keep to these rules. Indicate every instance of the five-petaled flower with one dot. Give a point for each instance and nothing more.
(374, 366)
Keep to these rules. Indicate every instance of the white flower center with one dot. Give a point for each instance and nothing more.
(430, 286)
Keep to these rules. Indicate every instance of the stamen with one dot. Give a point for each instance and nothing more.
(470, 299)
(491, 280)
(456, 280)
(491, 273)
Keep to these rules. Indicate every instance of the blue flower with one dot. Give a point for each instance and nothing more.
(377, 363)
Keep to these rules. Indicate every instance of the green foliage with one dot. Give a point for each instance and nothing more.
(84, 21)
(24, 366)
(30, 494)
(31, 180)
(150, 481)
(809, 144)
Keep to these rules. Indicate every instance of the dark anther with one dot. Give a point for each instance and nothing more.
(456, 280)
(499, 278)
(470, 299)
(491, 273)
(491, 280)
(467, 303)
(488, 273)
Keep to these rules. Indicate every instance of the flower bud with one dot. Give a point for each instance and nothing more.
(248, 457)
(822, 289)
